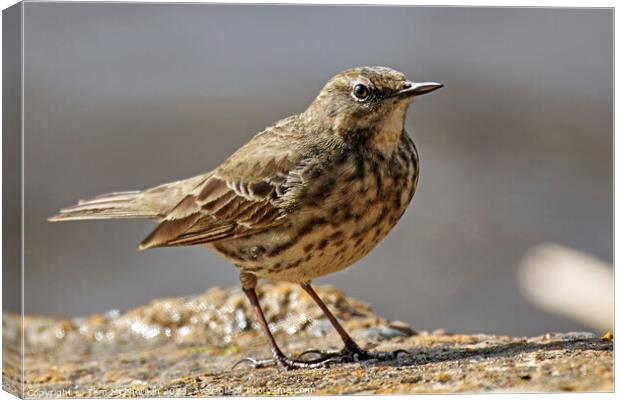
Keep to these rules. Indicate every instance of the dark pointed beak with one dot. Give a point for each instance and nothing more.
(412, 89)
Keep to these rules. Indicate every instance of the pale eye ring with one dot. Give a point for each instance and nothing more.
(360, 91)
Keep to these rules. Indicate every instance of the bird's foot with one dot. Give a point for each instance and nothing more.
(290, 363)
(353, 353)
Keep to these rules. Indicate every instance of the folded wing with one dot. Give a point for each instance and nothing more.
(240, 198)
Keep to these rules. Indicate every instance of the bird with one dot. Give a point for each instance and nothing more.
(307, 196)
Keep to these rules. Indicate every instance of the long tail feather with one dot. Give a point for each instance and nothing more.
(108, 206)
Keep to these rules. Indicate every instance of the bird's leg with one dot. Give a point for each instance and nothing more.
(346, 339)
(351, 352)
(278, 356)
(249, 288)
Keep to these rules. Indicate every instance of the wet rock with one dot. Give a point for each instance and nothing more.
(187, 346)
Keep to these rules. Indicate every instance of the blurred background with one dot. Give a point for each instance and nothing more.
(516, 150)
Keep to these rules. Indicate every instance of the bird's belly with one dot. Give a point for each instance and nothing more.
(327, 235)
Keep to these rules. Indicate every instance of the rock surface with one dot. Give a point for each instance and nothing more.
(187, 346)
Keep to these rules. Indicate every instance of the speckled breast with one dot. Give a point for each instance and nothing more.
(342, 215)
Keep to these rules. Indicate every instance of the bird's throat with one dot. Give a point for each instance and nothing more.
(388, 131)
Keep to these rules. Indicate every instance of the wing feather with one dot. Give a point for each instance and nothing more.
(221, 215)
(240, 198)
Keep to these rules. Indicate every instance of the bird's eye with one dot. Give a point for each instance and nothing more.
(360, 91)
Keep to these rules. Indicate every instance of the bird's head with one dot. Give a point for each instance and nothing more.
(367, 104)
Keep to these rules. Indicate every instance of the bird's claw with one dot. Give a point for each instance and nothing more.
(381, 355)
(401, 351)
(254, 363)
(357, 354)
(324, 361)
(351, 353)
(320, 353)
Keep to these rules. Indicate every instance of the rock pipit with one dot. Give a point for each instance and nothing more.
(306, 197)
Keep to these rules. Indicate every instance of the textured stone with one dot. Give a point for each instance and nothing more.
(187, 346)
